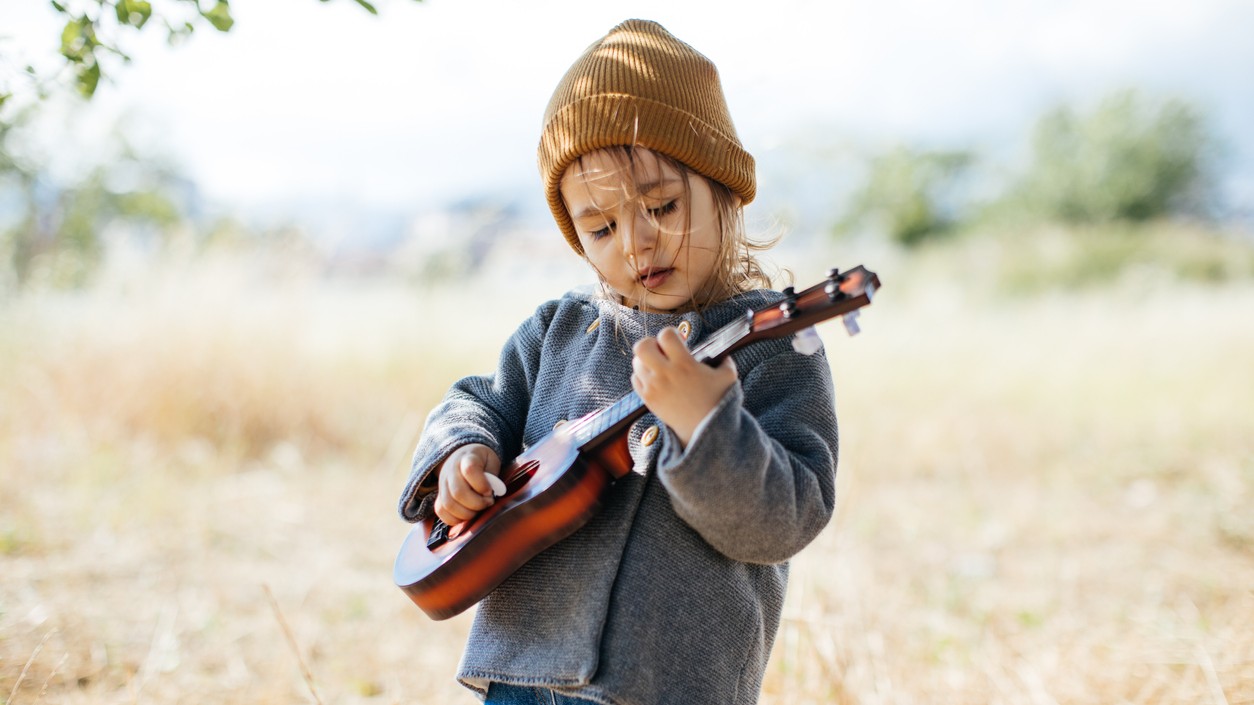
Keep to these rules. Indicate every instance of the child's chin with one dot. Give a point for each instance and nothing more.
(661, 304)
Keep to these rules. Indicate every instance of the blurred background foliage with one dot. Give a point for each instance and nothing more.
(1131, 158)
(1123, 184)
(57, 232)
(93, 36)
(1124, 187)
(1130, 181)
(54, 229)
(908, 194)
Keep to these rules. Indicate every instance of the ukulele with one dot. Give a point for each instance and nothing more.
(554, 487)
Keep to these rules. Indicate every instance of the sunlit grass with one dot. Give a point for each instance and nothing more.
(1042, 499)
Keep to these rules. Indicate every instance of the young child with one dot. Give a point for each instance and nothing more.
(672, 593)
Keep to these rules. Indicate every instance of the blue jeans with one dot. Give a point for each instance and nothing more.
(504, 694)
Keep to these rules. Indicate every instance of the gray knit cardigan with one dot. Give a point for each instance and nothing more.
(673, 592)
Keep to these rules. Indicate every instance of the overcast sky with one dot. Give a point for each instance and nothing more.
(442, 99)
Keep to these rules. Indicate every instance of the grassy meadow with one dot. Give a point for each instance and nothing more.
(1043, 497)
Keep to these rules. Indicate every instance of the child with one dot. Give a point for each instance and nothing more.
(671, 593)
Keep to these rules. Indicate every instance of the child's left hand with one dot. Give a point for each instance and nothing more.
(676, 387)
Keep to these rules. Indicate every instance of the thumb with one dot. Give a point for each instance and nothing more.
(471, 468)
(491, 463)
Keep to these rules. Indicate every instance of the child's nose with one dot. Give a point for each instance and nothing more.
(638, 235)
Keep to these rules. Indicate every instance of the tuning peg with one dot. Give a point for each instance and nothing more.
(832, 289)
(835, 275)
(851, 322)
(789, 306)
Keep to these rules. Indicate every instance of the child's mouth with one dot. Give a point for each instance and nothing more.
(653, 277)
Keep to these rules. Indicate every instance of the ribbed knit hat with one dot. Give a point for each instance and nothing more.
(640, 86)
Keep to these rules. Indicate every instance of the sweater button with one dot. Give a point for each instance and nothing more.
(685, 328)
(649, 436)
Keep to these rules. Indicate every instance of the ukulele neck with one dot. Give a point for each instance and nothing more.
(840, 294)
(610, 421)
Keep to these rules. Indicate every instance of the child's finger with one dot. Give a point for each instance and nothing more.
(458, 492)
(647, 352)
(472, 468)
(640, 367)
(672, 345)
(450, 511)
(491, 463)
(468, 499)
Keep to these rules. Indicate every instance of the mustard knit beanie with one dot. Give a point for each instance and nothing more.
(640, 86)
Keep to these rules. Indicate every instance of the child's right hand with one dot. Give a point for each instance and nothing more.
(463, 489)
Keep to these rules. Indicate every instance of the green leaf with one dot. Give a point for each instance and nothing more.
(133, 12)
(220, 16)
(88, 79)
(72, 42)
(368, 6)
(59, 7)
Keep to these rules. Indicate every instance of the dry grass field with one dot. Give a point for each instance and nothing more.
(1043, 499)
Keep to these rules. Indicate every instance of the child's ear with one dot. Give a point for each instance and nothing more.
(735, 201)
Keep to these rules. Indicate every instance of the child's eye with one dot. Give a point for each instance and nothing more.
(665, 209)
(603, 232)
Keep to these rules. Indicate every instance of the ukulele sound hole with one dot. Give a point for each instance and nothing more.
(521, 476)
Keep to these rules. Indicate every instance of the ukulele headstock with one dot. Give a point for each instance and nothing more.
(840, 294)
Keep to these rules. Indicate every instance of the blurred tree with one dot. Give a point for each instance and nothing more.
(908, 193)
(55, 228)
(92, 31)
(1130, 159)
(53, 232)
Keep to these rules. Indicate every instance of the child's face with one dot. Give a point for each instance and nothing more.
(651, 232)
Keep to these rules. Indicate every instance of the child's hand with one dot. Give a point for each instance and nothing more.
(680, 390)
(464, 489)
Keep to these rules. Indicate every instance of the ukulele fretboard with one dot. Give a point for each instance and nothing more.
(630, 407)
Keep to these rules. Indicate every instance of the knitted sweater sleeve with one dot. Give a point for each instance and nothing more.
(488, 409)
(758, 479)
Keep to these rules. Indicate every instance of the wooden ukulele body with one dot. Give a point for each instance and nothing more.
(552, 489)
